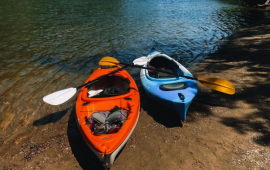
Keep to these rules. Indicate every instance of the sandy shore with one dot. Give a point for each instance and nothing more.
(221, 131)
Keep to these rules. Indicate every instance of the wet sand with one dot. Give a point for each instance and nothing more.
(221, 131)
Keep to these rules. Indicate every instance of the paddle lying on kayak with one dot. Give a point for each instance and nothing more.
(173, 92)
(217, 84)
(62, 96)
(107, 112)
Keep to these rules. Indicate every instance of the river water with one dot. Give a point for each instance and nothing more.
(49, 45)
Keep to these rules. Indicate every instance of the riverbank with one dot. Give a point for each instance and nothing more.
(221, 131)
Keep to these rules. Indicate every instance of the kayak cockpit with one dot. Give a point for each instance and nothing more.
(108, 87)
(165, 64)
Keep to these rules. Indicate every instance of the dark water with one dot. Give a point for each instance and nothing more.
(48, 45)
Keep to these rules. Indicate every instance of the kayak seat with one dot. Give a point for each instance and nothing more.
(162, 63)
(108, 92)
(107, 87)
(157, 74)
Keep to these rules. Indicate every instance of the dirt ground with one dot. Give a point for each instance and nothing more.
(221, 132)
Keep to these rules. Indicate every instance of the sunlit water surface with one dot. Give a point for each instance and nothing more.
(49, 45)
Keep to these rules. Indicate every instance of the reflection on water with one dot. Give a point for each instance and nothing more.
(48, 45)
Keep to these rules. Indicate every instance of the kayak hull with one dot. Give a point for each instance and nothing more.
(170, 98)
(106, 159)
(107, 146)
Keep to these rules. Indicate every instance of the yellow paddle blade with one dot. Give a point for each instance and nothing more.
(108, 61)
(218, 84)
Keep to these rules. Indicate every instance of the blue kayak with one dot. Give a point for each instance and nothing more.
(174, 92)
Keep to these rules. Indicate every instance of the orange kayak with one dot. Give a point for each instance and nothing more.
(115, 91)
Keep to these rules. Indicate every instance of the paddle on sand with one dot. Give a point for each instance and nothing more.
(217, 84)
(62, 96)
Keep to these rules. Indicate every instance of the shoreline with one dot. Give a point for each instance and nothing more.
(221, 132)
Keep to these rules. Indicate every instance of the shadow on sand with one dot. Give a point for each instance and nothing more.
(51, 118)
(248, 51)
(160, 113)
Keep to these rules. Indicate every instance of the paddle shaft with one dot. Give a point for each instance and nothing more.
(101, 77)
(217, 84)
(148, 68)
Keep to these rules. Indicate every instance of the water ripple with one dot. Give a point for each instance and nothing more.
(50, 45)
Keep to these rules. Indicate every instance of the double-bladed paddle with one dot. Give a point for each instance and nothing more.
(62, 96)
(217, 84)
